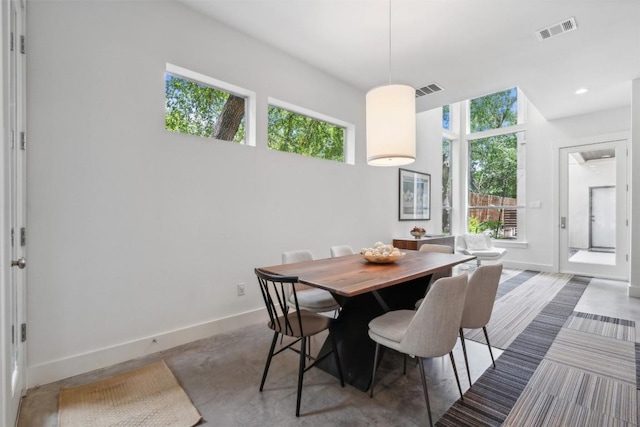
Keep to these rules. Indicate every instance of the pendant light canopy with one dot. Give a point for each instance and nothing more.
(391, 122)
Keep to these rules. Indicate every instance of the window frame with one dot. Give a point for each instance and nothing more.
(248, 95)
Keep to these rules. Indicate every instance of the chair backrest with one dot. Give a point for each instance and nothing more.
(473, 242)
(481, 294)
(434, 328)
(341, 250)
(432, 247)
(296, 256)
(284, 313)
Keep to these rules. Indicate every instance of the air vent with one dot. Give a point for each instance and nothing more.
(557, 29)
(428, 90)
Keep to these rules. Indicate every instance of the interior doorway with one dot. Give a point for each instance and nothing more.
(602, 232)
(593, 204)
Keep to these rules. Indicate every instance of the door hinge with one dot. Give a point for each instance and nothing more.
(23, 236)
(22, 47)
(13, 334)
(12, 141)
(12, 237)
(23, 332)
(23, 140)
(11, 42)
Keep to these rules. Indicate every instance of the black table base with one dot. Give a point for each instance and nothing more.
(355, 348)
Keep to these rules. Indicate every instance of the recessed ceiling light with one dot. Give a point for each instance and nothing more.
(582, 90)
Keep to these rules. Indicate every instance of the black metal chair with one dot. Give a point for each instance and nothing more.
(286, 318)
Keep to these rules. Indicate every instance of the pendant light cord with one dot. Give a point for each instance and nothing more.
(389, 41)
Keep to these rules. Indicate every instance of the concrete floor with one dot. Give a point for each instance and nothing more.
(221, 374)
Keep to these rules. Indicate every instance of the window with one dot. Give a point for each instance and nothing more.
(446, 117)
(494, 111)
(296, 130)
(199, 105)
(494, 145)
(447, 199)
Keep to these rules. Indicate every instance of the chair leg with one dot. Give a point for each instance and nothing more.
(301, 373)
(464, 351)
(455, 372)
(336, 357)
(373, 375)
(424, 387)
(486, 336)
(266, 366)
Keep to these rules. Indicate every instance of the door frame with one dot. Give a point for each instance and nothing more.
(620, 271)
(12, 216)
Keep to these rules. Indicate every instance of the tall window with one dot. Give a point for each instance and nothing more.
(493, 164)
(294, 132)
(200, 105)
(447, 198)
(446, 117)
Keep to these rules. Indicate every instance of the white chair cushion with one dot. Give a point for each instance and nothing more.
(315, 299)
(493, 253)
(389, 328)
(475, 242)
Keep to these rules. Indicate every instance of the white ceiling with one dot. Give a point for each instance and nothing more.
(469, 47)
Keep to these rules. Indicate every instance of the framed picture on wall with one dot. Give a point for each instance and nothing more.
(414, 195)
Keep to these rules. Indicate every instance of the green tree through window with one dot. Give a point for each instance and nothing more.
(197, 109)
(493, 164)
(296, 133)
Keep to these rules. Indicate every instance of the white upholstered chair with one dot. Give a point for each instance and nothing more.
(311, 299)
(481, 294)
(431, 247)
(431, 331)
(341, 250)
(480, 246)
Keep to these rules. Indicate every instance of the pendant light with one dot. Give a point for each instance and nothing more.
(391, 122)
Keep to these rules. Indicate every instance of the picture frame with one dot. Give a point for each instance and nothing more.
(414, 195)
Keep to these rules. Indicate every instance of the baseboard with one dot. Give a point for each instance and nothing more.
(545, 268)
(634, 291)
(78, 364)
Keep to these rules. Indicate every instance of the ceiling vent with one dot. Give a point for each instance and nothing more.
(557, 29)
(428, 90)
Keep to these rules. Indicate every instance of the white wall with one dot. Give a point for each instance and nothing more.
(138, 233)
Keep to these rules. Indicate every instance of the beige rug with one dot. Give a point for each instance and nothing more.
(148, 396)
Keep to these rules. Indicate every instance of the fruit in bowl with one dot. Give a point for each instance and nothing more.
(418, 232)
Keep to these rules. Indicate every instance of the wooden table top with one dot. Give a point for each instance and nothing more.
(353, 275)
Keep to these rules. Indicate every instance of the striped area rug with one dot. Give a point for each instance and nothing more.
(495, 393)
(519, 300)
(587, 378)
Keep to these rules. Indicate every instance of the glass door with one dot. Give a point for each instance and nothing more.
(593, 210)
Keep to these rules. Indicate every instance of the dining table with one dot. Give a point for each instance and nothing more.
(364, 291)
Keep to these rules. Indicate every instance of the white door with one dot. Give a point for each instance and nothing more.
(603, 210)
(581, 170)
(13, 240)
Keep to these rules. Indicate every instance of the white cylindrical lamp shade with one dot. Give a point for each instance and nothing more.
(391, 125)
